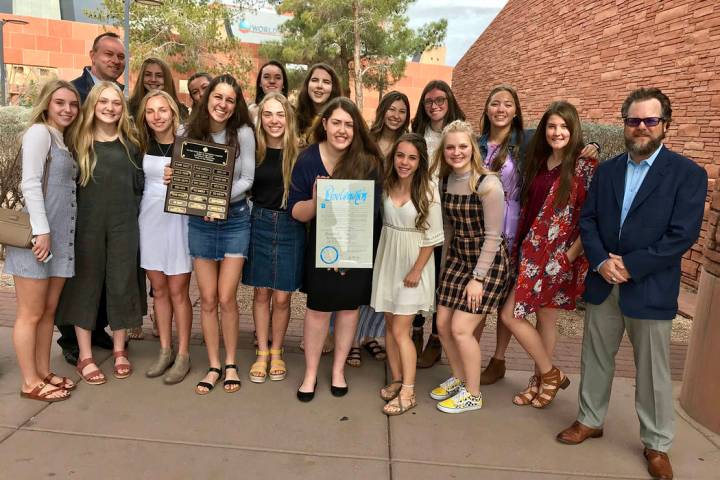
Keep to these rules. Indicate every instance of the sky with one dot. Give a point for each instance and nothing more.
(466, 21)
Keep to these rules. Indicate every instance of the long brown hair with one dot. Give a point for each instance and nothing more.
(539, 151)
(198, 126)
(512, 141)
(387, 100)
(140, 91)
(362, 159)
(289, 140)
(420, 188)
(305, 106)
(454, 112)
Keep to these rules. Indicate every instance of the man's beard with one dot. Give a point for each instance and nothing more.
(646, 149)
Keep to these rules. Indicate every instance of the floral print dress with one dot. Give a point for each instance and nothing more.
(546, 278)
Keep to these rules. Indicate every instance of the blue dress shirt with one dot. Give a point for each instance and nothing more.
(634, 176)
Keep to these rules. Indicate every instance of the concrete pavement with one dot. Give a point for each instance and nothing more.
(139, 428)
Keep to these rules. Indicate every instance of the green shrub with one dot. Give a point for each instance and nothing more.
(13, 121)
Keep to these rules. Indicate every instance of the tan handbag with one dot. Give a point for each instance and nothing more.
(15, 228)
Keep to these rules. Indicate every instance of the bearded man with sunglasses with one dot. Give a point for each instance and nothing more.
(643, 212)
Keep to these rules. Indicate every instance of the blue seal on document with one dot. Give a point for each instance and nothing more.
(329, 254)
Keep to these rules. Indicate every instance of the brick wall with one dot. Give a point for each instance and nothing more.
(592, 53)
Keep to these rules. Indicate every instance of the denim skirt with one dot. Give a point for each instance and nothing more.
(275, 256)
(219, 239)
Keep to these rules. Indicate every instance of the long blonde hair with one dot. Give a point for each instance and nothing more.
(85, 152)
(289, 140)
(144, 131)
(39, 111)
(477, 169)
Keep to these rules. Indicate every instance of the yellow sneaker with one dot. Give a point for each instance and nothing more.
(461, 402)
(446, 389)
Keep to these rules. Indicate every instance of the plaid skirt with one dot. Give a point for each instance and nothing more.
(457, 272)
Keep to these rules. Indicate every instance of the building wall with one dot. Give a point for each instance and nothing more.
(593, 53)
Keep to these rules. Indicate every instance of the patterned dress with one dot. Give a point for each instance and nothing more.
(465, 214)
(546, 278)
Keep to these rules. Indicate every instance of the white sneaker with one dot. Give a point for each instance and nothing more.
(461, 402)
(446, 389)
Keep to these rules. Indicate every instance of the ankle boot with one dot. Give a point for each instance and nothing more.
(180, 368)
(494, 371)
(432, 353)
(417, 338)
(163, 361)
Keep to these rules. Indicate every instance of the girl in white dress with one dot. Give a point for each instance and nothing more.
(404, 276)
(164, 252)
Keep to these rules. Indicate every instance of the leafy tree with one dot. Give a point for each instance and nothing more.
(190, 35)
(375, 32)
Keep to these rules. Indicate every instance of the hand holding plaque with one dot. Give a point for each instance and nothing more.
(201, 180)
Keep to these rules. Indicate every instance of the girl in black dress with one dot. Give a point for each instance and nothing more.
(342, 149)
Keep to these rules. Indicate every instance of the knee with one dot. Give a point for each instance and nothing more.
(30, 318)
(399, 332)
(208, 303)
(262, 296)
(459, 331)
(160, 292)
(228, 303)
(281, 301)
(507, 318)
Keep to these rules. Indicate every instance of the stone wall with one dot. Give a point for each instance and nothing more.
(592, 53)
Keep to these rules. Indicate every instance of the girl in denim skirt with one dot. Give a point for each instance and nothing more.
(277, 241)
(219, 247)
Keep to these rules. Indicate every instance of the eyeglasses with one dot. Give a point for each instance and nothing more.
(649, 121)
(439, 101)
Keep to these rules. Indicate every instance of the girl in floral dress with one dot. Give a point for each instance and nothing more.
(552, 267)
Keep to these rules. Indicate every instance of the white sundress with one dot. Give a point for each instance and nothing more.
(400, 243)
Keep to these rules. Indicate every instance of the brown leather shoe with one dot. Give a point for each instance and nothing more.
(432, 353)
(659, 466)
(578, 433)
(494, 371)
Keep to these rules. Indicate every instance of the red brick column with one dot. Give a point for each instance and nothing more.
(701, 383)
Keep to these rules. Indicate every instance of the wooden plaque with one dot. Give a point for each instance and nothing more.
(202, 179)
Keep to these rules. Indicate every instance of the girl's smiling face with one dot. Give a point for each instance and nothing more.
(458, 151)
(406, 160)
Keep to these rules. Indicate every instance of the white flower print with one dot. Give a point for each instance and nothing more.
(553, 267)
(553, 232)
(538, 286)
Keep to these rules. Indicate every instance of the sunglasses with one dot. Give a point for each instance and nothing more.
(649, 121)
(439, 101)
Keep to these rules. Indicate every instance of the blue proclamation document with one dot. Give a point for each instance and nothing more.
(344, 223)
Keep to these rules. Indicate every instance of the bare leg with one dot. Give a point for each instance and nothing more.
(31, 295)
(163, 307)
(401, 327)
(444, 326)
(393, 350)
(315, 330)
(228, 280)
(43, 341)
(280, 318)
(527, 336)
(207, 280)
(463, 327)
(546, 327)
(179, 286)
(261, 316)
(345, 327)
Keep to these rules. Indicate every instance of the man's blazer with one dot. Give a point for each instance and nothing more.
(662, 224)
(84, 83)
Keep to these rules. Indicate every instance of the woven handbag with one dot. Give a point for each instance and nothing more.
(15, 228)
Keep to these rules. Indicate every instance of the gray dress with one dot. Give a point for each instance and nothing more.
(60, 209)
(107, 240)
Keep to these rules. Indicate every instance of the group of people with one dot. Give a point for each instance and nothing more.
(502, 220)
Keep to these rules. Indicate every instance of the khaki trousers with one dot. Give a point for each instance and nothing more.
(650, 339)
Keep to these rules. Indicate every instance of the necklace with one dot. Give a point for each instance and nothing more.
(164, 153)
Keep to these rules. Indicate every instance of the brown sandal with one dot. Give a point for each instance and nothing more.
(398, 406)
(35, 394)
(391, 390)
(97, 374)
(528, 395)
(64, 383)
(550, 382)
(123, 367)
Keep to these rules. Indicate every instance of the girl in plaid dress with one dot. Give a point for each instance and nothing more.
(474, 277)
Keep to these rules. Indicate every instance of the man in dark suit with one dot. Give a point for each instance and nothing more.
(643, 212)
(107, 59)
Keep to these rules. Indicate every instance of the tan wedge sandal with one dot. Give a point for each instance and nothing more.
(278, 370)
(258, 370)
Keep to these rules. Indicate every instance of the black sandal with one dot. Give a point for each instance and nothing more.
(207, 385)
(376, 350)
(354, 359)
(231, 383)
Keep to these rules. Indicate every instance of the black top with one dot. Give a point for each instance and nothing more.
(160, 149)
(267, 189)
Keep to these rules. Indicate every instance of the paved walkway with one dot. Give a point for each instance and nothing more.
(139, 428)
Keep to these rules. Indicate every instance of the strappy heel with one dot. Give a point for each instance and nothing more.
(527, 396)
(258, 370)
(278, 370)
(207, 385)
(550, 383)
(231, 386)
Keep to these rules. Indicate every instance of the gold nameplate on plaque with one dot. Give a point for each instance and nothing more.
(202, 179)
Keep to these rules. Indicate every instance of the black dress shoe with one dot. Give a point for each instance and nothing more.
(306, 396)
(102, 339)
(71, 355)
(338, 391)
